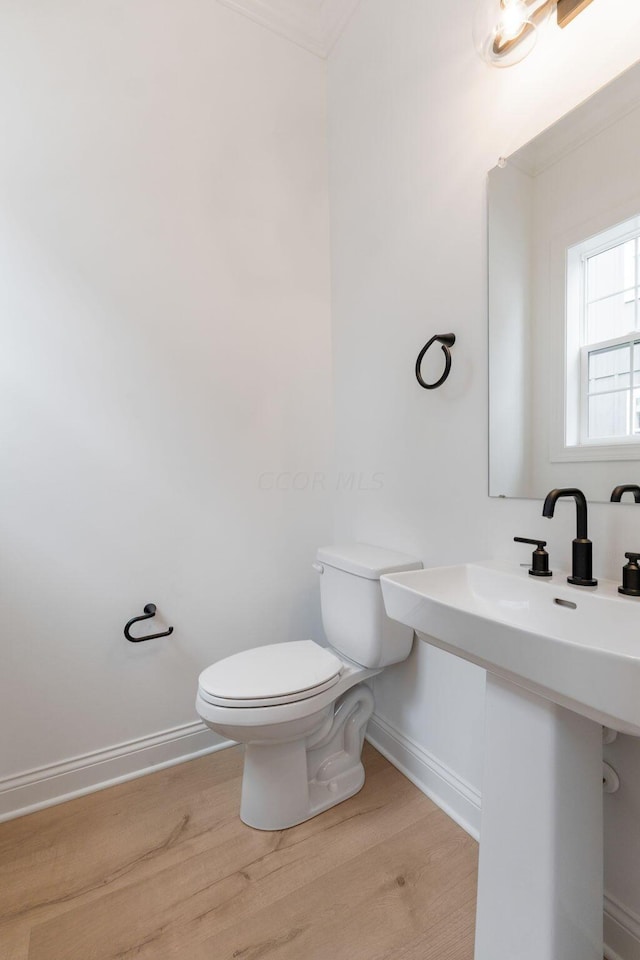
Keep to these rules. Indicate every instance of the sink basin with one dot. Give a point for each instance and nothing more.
(577, 646)
(561, 662)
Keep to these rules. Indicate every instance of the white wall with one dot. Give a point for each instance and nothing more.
(164, 301)
(416, 120)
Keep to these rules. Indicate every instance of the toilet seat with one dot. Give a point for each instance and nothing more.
(268, 676)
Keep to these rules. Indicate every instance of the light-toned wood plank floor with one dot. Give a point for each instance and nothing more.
(162, 868)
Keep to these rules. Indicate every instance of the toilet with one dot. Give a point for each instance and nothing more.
(301, 708)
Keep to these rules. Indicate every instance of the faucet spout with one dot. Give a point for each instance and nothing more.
(616, 495)
(581, 508)
(582, 574)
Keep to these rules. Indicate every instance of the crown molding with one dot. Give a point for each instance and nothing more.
(336, 15)
(315, 25)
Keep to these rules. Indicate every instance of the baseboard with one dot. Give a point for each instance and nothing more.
(46, 786)
(621, 931)
(454, 795)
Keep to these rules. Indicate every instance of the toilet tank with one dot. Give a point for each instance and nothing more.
(353, 613)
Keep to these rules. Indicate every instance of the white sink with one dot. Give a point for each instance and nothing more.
(562, 661)
(585, 656)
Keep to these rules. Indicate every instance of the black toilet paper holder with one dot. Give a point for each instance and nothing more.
(149, 612)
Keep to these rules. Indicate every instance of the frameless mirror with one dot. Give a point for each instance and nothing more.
(564, 303)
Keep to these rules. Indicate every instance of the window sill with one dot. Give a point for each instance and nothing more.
(630, 450)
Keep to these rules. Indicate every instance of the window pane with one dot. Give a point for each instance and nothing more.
(608, 415)
(610, 369)
(610, 318)
(611, 271)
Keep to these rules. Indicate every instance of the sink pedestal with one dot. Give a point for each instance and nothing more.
(540, 894)
(541, 841)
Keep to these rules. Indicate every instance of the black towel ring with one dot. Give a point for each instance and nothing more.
(447, 340)
(149, 611)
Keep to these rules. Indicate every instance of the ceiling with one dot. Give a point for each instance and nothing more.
(312, 24)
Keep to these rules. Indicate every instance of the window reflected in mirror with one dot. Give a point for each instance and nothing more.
(604, 324)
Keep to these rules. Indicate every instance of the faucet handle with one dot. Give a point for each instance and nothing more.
(631, 576)
(540, 558)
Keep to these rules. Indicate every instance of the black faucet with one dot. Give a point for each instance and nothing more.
(581, 573)
(633, 488)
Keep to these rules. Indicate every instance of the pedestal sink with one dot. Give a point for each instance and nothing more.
(562, 661)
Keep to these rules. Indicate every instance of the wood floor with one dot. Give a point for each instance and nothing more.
(162, 869)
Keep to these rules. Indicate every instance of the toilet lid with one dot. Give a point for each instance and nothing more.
(266, 676)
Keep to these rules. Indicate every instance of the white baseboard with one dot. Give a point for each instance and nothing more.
(462, 803)
(621, 931)
(46, 786)
(450, 792)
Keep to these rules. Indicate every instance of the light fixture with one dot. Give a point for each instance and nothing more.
(505, 31)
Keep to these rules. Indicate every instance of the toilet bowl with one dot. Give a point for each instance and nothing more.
(301, 708)
(302, 746)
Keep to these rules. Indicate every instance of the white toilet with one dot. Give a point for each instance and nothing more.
(301, 708)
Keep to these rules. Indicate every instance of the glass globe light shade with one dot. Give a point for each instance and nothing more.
(506, 31)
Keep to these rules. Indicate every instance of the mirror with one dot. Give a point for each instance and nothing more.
(564, 303)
